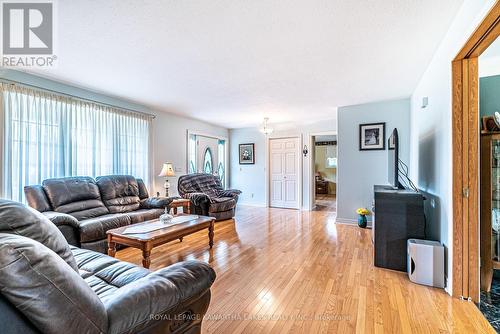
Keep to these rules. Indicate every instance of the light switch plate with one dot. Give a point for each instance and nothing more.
(425, 102)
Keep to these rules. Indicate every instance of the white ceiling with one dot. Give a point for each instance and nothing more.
(232, 62)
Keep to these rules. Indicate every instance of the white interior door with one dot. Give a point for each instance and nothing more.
(284, 169)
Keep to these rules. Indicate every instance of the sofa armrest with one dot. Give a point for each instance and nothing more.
(234, 193)
(60, 219)
(156, 202)
(139, 305)
(198, 199)
(68, 225)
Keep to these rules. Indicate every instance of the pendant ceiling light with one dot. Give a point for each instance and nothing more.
(265, 129)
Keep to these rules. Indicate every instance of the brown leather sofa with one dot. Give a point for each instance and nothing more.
(84, 209)
(48, 286)
(207, 196)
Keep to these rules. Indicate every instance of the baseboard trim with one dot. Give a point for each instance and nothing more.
(349, 221)
(346, 221)
(258, 205)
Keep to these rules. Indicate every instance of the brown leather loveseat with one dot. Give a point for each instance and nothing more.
(48, 286)
(84, 209)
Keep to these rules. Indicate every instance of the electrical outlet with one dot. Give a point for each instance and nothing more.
(178, 169)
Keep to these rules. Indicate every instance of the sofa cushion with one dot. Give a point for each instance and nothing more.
(105, 274)
(220, 204)
(36, 198)
(77, 196)
(96, 228)
(17, 218)
(120, 193)
(144, 215)
(51, 295)
(143, 191)
(165, 290)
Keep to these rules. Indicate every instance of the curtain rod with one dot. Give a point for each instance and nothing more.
(13, 82)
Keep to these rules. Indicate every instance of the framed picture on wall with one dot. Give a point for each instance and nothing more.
(247, 154)
(372, 137)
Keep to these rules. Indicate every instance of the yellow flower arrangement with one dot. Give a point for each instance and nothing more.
(362, 211)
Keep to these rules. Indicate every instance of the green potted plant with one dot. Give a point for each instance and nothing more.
(362, 213)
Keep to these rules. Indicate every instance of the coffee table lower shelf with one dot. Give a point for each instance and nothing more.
(147, 241)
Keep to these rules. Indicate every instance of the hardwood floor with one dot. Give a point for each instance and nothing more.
(326, 203)
(281, 271)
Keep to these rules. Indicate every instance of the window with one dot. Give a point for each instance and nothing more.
(192, 154)
(207, 162)
(47, 135)
(221, 152)
(331, 156)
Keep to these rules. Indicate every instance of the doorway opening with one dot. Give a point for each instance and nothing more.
(324, 157)
(489, 213)
(466, 160)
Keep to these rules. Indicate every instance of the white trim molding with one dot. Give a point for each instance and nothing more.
(256, 205)
(311, 164)
(349, 221)
(346, 221)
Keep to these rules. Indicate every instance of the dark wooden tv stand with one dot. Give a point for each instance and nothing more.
(398, 216)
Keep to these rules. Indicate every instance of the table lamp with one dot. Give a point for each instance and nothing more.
(167, 170)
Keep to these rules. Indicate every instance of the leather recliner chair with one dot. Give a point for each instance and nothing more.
(48, 286)
(84, 209)
(207, 196)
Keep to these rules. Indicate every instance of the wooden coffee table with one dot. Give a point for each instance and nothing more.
(147, 241)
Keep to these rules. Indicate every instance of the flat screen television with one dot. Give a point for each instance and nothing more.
(393, 160)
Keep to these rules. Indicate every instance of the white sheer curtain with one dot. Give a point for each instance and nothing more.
(47, 135)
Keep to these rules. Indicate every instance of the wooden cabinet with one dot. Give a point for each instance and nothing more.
(399, 217)
(490, 207)
(321, 186)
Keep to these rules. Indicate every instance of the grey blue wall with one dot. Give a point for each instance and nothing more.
(359, 170)
(250, 179)
(489, 95)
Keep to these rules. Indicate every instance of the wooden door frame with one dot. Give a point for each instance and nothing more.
(312, 161)
(465, 144)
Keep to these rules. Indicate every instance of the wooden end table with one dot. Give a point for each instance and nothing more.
(147, 241)
(184, 203)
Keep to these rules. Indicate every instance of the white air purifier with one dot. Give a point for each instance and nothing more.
(426, 262)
